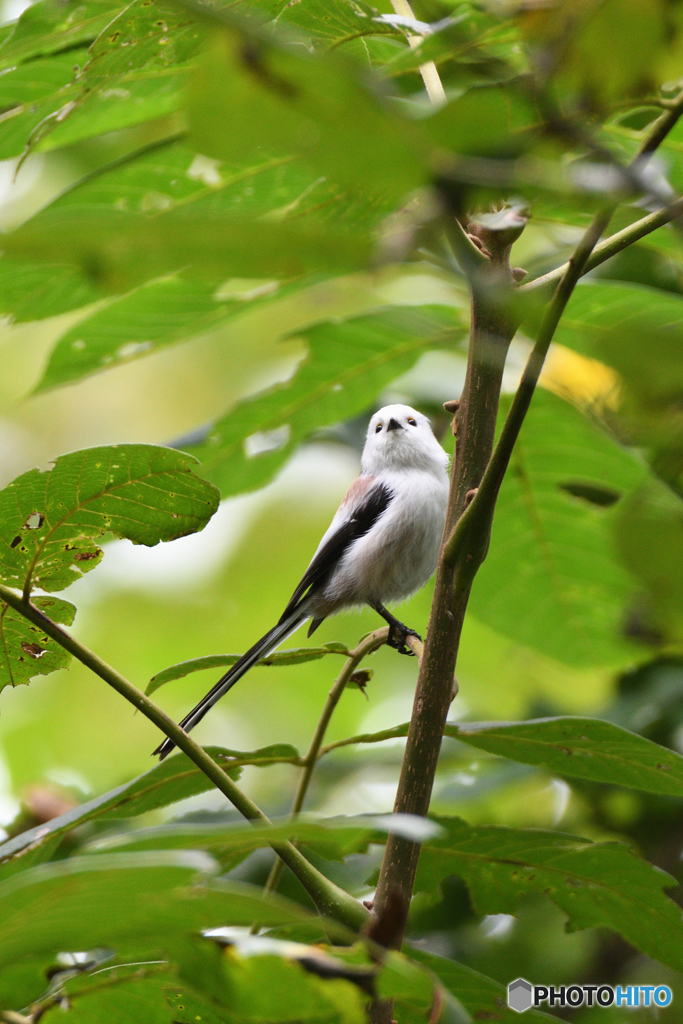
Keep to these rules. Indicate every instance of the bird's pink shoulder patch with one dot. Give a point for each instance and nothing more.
(360, 486)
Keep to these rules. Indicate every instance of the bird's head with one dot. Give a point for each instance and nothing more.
(401, 438)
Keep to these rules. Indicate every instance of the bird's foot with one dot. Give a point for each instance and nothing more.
(398, 635)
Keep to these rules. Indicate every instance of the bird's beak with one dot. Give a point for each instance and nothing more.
(393, 425)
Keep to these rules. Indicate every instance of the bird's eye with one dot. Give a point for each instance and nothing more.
(412, 422)
(378, 428)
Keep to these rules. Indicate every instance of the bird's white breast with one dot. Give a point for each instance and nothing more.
(399, 554)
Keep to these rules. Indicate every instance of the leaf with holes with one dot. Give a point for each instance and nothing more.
(26, 650)
(596, 884)
(348, 365)
(49, 521)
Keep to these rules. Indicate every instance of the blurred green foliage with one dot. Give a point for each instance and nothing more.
(237, 211)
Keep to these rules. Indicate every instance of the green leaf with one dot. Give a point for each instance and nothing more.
(348, 365)
(486, 120)
(50, 28)
(176, 778)
(262, 979)
(158, 313)
(120, 996)
(143, 35)
(583, 748)
(247, 209)
(31, 92)
(130, 247)
(50, 520)
(325, 25)
(649, 533)
(119, 103)
(484, 998)
(27, 651)
(279, 98)
(229, 844)
(295, 656)
(551, 579)
(596, 884)
(609, 320)
(34, 291)
(123, 900)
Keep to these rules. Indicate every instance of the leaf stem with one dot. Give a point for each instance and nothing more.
(367, 645)
(430, 76)
(328, 897)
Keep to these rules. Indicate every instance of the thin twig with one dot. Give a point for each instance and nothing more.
(650, 143)
(367, 646)
(328, 897)
(611, 246)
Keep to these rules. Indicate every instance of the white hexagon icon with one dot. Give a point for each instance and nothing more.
(520, 995)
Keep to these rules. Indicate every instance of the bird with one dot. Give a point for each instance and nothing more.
(381, 546)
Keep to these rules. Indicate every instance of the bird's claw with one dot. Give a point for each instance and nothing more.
(397, 639)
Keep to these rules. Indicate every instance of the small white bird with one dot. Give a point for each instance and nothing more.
(382, 544)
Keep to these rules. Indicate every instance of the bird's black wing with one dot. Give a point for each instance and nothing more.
(361, 521)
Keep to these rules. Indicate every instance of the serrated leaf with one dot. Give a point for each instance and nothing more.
(347, 367)
(26, 651)
(596, 884)
(295, 656)
(580, 748)
(551, 579)
(123, 900)
(176, 778)
(50, 520)
(583, 748)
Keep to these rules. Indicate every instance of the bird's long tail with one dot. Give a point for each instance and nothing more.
(261, 649)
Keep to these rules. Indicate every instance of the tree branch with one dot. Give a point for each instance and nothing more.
(328, 897)
(475, 480)
(491, 331)
(367, 645)
(610, 247)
